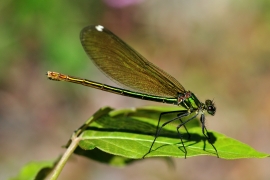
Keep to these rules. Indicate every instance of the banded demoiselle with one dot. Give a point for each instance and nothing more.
(128, 68)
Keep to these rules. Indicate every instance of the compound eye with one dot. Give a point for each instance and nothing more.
(210, 107)
(211, 110)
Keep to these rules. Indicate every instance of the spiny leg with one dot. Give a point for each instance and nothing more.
(183, 114)
(202, 119)
(179, 114)
(180, 136)
(184, 127)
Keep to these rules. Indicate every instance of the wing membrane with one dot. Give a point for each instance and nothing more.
(125, 66)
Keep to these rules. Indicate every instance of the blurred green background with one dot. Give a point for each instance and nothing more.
(218, 49)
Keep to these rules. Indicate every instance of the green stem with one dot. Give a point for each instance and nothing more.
(60, 165)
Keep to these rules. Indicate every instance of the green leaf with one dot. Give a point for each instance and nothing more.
(128, 133)
(103, 157)
(35, 170)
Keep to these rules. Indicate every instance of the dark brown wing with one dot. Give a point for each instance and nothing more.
(125, 66)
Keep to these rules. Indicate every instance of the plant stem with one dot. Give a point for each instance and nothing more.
(60, 165)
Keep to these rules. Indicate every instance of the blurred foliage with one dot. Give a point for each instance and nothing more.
(44, 32)
(34, 170)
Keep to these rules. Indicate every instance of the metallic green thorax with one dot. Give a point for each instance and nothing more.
(192, 103)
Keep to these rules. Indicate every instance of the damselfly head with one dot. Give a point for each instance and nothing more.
(210, 107)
